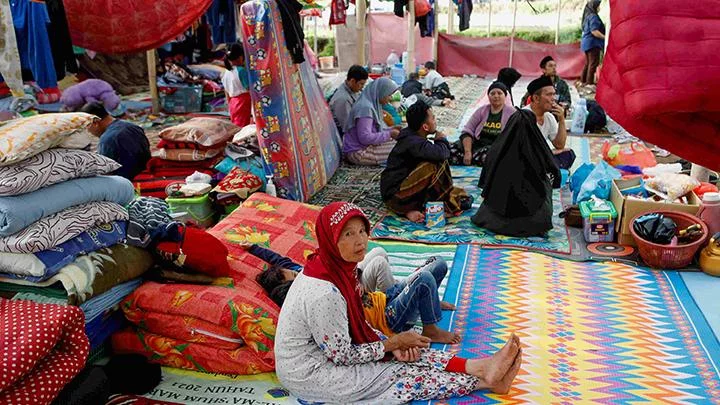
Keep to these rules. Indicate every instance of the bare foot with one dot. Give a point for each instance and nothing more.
(415, 216)
(447, 306)
(503, 387)
(491, 370)
(438, 335)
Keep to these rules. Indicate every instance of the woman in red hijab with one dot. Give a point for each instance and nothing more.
(327, 352)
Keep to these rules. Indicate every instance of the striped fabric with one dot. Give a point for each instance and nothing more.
(406, 257)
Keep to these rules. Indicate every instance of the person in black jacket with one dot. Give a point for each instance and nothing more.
(517, 181)
(418, 170)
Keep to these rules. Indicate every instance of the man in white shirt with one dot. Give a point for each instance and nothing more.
(434, 84)
(550, 119)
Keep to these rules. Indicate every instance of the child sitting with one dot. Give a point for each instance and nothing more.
(435, 85)
(390, 310)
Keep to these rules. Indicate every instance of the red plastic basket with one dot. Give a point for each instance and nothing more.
(665, 256)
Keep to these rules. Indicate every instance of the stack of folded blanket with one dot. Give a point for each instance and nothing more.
(63, 219)
(195, 145)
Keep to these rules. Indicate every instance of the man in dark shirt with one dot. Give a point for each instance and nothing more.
(121, 141)
(418, 171)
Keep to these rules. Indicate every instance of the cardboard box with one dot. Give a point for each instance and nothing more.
(628, 209)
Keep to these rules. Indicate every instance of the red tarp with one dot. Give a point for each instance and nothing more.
(388, 32)
(458, 55)
(124, 26)
(661, 75)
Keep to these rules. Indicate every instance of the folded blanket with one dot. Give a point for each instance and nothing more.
(55, 229)
(88, 276)
(43, 265)
(48, 346)
(18, 212)
(100, 304)
(219, 329)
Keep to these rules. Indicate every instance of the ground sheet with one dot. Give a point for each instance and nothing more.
(591, 332)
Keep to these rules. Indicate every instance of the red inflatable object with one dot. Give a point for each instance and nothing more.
(122, 26)
(661, 75)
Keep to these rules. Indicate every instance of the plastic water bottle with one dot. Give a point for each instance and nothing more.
(405, 58)
(579, 116)
(270, 186)
(397, 74)
(392, 59)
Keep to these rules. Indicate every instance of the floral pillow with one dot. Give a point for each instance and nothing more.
(51, 167)
(26, 137)
(203, 131)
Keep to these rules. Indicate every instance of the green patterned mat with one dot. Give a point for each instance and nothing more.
(461, 230)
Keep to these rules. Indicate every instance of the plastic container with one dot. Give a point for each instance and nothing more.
(598, 224)
(405, 58)
(710, 212)
(579, 116)
(397, 74)
(200, 212)
(270, 186)
(181, 98)
(392, 59)
(666, 256)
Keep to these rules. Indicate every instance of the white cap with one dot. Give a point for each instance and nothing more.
(711, 197)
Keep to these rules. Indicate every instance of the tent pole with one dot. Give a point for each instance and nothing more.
(451, 17)
(315, 35)
(360, 10)
(152, 79)
(557, 27)
(410, 67)
(512, 35)
(436, 31)
(489, 17)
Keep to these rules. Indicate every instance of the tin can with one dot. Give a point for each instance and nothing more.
(434, 214)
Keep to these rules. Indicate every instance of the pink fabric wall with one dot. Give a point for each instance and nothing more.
(388, 32)
(459, 55)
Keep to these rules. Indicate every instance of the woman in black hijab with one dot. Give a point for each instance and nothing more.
(509, 76)
(517, 181)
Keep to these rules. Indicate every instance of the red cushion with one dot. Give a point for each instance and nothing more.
(659, 79)
(204, 253)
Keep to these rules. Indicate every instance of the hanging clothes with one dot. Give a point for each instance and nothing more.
(9, 57)
(292, 28)
(221, 17)
(338, 12)
(465, 8)
(31, 21)
(60, 42)
(430, 25)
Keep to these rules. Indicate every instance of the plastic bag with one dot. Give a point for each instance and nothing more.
(578, 178)
(630, 154)
(671, 186)
(662, 169)
(599, 182)
(655, 228)
(198, 178)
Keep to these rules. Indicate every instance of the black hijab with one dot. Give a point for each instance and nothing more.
(509, 76)
(517, 168)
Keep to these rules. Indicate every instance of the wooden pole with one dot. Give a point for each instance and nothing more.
(512, 35)
(436, 32)
(360, 11)
(557, 27)
(410, 66)
(489, 18)
(451, 17)
(152, 80)
(315, 35)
